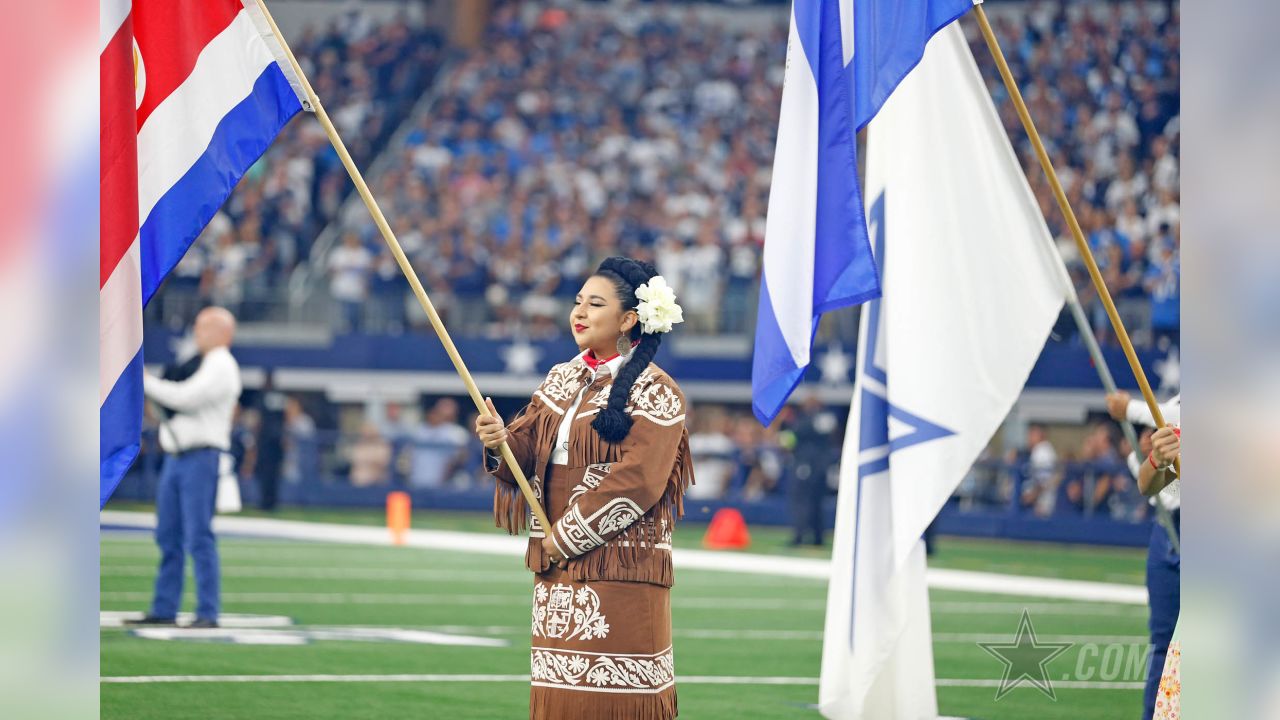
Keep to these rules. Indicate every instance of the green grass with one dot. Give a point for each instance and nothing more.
(489, 596)
(1074, 562)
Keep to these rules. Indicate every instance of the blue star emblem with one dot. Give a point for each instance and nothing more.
(875, 442)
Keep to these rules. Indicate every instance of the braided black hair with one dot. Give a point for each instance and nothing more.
(612, 423)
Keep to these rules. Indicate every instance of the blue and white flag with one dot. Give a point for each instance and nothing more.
(844, 58)
(972, 286)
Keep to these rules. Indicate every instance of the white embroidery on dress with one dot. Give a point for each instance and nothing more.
(659, 401)
(601, 399)
(642, 383)
(575, 533)
(590, 481)
(602, 672)
(560, 611)
(562, 383)
(615, 516)
(535, 526)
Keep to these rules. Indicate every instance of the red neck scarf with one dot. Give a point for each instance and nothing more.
(594, 362)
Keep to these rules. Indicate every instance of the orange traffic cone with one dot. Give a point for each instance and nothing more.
(399, 507)
(727, 531)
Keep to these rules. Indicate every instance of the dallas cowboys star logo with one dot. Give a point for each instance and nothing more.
(1025, 659)
(884, 427)
(521, 358)
(835, 365)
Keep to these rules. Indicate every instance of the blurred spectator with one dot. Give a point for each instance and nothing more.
(713, 454)
(301, 460)
(393, 427)
(1162, 281)
(814, 455)
(370, 458)
(438, 446)
(761, 459)
(470, 472)
(700, 275)
(271, 441)
(1093, 477)
(350, 266)
(1039, 490)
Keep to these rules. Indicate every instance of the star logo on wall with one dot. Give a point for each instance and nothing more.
(1025, 659)
(835, 365)
(521, 358)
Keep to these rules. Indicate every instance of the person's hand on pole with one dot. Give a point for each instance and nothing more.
(1118, 405)
(553, 555)
(490, 428)
(1166, 445)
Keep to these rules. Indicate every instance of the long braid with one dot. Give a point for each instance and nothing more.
(612, 423)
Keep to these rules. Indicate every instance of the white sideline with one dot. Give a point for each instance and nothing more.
(963, 580)
(680, 679)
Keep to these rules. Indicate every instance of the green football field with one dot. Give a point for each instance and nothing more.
(746, 645)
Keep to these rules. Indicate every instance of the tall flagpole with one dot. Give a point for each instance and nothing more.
(381, 221)
(1061, 196)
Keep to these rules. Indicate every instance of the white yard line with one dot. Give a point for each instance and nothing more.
(111, 619)
(403, 574)
(684, 558)
(1057, 684)
(680, 680)
(946, 607)
(302, 598)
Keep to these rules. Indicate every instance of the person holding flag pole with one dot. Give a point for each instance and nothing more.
(615, 472)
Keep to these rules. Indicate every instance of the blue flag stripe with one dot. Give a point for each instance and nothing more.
(240, 139)
(120, 427)
(889, 40)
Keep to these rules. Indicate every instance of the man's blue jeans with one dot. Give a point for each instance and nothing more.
(184, 511)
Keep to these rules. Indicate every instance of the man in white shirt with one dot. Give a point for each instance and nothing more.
(1164, 562)
(193, 440)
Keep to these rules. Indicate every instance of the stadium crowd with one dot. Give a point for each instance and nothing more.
(573, 134)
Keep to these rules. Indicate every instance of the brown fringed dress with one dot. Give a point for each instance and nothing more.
(601, 646)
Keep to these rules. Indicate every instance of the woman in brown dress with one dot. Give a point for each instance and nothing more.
(604, 446)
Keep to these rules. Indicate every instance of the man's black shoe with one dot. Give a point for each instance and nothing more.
(152, 620)
(202, 624)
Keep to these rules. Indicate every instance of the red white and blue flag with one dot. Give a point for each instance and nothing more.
(192, 93)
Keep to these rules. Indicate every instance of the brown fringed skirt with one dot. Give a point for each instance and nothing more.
(600, 650)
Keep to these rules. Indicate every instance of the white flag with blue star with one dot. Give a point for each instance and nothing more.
(971, 287)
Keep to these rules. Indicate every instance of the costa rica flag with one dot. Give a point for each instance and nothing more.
(192, 93)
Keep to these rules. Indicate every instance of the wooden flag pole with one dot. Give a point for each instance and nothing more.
(381, 221)
(1061, 196)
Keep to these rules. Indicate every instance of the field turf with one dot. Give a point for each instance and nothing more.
(727, 626)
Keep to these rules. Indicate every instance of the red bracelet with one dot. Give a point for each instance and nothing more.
(1152, 459)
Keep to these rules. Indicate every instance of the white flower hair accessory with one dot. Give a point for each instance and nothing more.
(658, 309)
